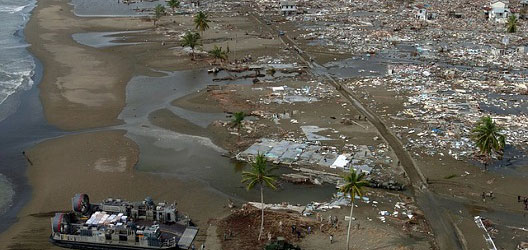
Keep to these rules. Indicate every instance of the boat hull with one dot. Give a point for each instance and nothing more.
(99, 246)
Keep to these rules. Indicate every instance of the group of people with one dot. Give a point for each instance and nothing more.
(332, 220)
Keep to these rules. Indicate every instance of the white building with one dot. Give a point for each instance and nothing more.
(288, 8)
(499, 10)
(421, 14)
(425, 15)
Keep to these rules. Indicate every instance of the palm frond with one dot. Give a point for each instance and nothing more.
(259, 173)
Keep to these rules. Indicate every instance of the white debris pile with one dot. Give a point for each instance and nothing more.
(308, 93)
(447, 108)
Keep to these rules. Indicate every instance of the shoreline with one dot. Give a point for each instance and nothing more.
(26, 120)
(100, 163)
(62, 89)
(42, 126)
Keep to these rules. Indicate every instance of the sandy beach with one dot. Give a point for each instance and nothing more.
(84, 88)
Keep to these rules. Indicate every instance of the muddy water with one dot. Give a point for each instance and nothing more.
(103, 39)
(362, 66)
(195, 158)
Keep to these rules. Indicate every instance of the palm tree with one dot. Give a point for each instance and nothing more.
(238, 117)
(354, 184)
(260, 174)
(218, 53)
(173, 4)
(201, 22)
(159, 11)
(191, 40)
(511, 25)
(488, 138)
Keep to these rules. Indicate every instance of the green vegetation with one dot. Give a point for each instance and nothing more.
(260, 174)
(218, 53)
(238, 117)
(201, 21)
(159, 11)
(487, 138)
(511, 25)
(173, 4)
(191, 40)
(353, 185)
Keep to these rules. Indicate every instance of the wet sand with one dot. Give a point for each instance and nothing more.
(102, 165)
(80, 88)
(83, 89)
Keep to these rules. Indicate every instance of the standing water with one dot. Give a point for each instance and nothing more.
(17, 68)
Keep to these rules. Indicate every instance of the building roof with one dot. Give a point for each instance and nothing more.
(499, 10)
(288, 3)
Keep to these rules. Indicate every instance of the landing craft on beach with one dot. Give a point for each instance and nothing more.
(118, 224)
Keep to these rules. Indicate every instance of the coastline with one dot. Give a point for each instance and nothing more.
(64, 101)
(71, 102)
(81, 94)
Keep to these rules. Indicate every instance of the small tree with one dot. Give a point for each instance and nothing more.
(190, 40)
(218, 53)
(487, 138)
(159, 11)
(260, 174)
(238, 117)
(511, 25)
(173, 4)
(354, 184)
(201, 21)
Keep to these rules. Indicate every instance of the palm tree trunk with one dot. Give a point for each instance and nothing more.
(262, 214)
(350, 220)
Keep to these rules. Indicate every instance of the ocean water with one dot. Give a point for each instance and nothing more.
(6, 194)
(17, 66)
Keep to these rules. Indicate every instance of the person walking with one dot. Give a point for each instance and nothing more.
(331, 239)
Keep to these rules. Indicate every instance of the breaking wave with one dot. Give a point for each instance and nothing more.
(17, 65)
